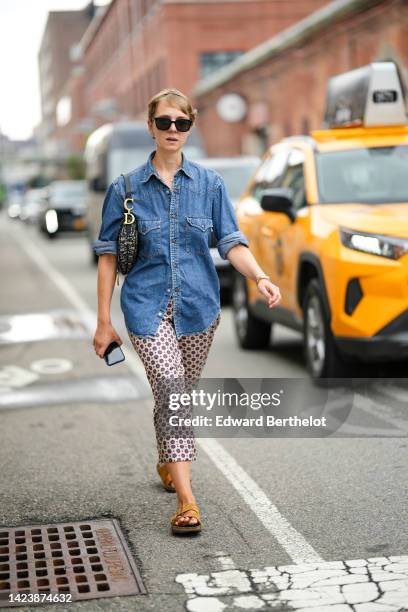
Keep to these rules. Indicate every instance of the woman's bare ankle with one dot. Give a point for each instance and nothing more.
(187, 499)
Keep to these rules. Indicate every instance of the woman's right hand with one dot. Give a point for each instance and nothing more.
(104, 335)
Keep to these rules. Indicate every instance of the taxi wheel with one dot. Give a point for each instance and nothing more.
(252, 333)
(322, 357)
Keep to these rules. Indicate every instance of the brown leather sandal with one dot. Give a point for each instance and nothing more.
(186, 509)
(166, 478)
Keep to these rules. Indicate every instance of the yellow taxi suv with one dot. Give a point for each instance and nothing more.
(326, 216)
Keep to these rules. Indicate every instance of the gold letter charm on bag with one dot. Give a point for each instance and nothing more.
(129, 216)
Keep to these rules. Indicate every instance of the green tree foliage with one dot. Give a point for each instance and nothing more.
(75, 167)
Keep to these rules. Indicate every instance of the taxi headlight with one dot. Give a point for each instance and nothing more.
(374, 244)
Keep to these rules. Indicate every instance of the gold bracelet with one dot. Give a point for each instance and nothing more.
(258, 278)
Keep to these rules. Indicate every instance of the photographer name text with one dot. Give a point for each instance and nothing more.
(259, 421)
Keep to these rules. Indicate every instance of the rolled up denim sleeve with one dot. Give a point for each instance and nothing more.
(225, 222)
(112, 216)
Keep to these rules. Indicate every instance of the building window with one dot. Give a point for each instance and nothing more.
(209, 62)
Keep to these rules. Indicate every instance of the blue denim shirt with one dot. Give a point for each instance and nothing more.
(174, 245)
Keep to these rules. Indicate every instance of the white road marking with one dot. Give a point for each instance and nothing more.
(291, 540)
(14, 377)
(52, 365)
(393, 391)
(359, 431)
(205, 604)
(377, 584)
(73, 297)
(38, 326)
(226, 562)
(381, 411)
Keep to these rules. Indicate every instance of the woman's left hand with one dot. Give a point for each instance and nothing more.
(270, 291)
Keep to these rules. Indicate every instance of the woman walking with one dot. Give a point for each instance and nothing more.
(170, 299)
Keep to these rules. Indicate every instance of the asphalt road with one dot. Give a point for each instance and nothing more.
(288, 523)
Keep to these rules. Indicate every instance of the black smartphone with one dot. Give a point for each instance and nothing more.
(113, 354)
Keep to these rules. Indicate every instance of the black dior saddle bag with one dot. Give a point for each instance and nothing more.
(128, 235)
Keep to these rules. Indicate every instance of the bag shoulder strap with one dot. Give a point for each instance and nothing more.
(128, 188)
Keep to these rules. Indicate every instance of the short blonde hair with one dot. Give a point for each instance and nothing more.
(174, 96)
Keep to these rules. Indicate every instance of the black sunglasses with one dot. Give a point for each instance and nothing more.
(164, 123)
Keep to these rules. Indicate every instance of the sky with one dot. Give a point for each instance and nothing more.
(22, 25)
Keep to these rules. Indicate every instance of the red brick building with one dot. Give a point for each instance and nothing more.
(282, 83)
(73, 132)
(62, 30)
(140, 46)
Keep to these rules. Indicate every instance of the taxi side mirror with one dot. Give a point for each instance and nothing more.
(280, 200)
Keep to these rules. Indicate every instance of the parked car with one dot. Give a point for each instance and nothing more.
(64, 208)
(327, 218)
(32, 204)
(114, 149)
(236, 172)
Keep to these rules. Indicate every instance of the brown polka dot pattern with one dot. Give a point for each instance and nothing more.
(173, 366)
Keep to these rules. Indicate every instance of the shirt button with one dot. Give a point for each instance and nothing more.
(168, 290)
(176, 288)
(160, 313)
(174, 239)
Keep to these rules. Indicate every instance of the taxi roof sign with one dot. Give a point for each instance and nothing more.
(368, 96)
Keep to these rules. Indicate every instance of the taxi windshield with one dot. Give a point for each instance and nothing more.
(374, 175)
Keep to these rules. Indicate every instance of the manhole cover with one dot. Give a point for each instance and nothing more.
(81, 560)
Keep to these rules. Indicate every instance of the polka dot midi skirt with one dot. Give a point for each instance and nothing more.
(173, 366)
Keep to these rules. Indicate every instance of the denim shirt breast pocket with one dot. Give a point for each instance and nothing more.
(198, 234)
(149, 243)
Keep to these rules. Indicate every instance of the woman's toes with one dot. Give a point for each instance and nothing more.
(186, 520)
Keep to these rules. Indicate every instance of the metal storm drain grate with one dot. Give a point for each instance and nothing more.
(65, 562)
